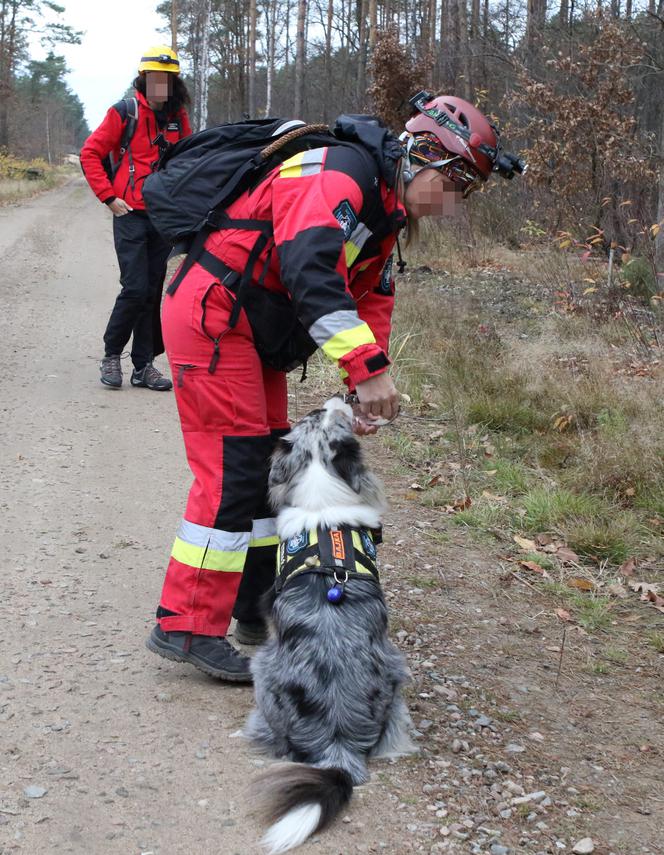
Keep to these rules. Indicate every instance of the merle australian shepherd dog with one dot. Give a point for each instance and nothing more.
(328, 680)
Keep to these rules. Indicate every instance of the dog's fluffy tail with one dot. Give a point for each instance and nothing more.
(299, 800)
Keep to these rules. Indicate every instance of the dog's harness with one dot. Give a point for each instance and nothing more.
(342, 553)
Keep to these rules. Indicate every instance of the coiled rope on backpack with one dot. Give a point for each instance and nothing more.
(292, 135)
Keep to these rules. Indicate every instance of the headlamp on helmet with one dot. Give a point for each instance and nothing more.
(159, 58)
(463, 130)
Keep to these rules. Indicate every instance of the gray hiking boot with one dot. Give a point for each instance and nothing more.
(111, 372)
(250, 632)
(151, 378)
(215, 656)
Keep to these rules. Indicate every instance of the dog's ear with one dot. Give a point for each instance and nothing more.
(347, 461)
(280, 468)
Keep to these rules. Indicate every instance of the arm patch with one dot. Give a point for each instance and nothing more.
(346, 217)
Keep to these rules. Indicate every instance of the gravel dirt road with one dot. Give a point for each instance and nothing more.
(527, 745)
(134, 754)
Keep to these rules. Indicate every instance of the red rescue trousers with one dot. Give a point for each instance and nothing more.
(231, 410)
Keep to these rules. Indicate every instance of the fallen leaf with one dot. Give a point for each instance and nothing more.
(563, 614)
(543, 539)
(525, 544)
(567, 555)
(435, 480)
(493, 497)
(580, 584)
(617, 590)
(535, 568)
(644, 587)
(490, 471)
(628, 567)
(462, 504)
(416, 487)
(655, 599)
(630, 491)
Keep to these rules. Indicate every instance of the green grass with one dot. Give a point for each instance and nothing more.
(591, 612)
(485, 516)
(611, 539)
(505, 414)
(511, 368)
(615, 655)
(510, 478)
(656, 641)
(422, 582)
(439, 497)
(547, 510)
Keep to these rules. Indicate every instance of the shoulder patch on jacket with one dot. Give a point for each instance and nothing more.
(346, 217)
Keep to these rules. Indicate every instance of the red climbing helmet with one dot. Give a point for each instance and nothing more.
(450, 134)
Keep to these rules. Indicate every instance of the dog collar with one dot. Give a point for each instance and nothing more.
(338, 552)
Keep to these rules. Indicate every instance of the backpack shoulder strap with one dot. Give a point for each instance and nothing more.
(131, 120)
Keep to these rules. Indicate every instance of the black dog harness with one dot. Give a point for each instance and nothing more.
(342, 553)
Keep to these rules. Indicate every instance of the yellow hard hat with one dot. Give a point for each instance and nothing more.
(159, 58)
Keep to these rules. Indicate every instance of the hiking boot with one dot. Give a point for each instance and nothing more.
(111, 371)
(213, 655)
(151, 378)
(250, 632)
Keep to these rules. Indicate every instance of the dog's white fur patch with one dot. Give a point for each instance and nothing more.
(321, 499)
(292, 829)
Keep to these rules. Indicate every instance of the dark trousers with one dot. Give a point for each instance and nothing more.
(142, 256)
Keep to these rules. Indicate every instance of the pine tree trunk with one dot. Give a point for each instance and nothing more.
(464, 48)
(300, 58)
(659, 237)
(174, 25)
(328, 61)
(252, 58)
(362, 54)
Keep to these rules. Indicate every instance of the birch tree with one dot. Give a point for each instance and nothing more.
(201, 62)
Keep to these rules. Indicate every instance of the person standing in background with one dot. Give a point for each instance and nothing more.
(116, 158)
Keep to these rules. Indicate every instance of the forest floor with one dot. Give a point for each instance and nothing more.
(539, 717)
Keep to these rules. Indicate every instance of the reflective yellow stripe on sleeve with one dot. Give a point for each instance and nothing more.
(340, 332)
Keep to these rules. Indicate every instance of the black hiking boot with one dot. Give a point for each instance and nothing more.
(250, 632)
(151, 378)
(215, 656)
(111, 371)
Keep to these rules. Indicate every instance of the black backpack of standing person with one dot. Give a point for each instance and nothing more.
(199, 177)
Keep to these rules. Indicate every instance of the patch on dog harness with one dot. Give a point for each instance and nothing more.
(296, 543)
(343, 552)
(346, 218)
(368, 544)
(338, 550)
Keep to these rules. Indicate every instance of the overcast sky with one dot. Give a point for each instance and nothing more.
(115, 35)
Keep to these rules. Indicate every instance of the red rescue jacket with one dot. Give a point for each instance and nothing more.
(335, 222)
(142, 152)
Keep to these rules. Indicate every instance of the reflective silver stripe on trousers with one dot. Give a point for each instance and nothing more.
(213, 538)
